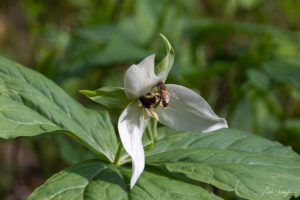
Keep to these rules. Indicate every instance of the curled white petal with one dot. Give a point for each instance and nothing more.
(188, 111)
(131, 126)
(139, 79)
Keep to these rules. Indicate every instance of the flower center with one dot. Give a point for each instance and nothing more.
(150, 100)
(158, 96)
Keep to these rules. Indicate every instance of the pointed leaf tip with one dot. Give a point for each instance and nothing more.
(88, 92)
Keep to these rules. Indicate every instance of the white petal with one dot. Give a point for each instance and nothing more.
(131, 126)
(139, 79)
(188, 111)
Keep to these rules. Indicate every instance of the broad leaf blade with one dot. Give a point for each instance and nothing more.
(88, 180)
(31, 104)
(94, 180)
(18, 120)
(154, 186)
(253, 167)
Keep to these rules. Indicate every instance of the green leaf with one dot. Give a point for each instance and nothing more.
(112, 97)
(88, 180)
(284, 72)
(154, 186)
(71, 152)
(167, 62)
(253, 167)
(94, 180)
(30, 104)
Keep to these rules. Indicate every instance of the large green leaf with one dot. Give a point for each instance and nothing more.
(95, 180)
(157, 186)
(30, 104)
(89, 180)
(253, 167)
(71, 152)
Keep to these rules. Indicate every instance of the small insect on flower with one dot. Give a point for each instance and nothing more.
(164, 94)
(159, 96)
(150, 100)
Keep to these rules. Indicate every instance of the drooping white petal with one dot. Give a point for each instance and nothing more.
(131, 126)
(139, 79)
(188, 111)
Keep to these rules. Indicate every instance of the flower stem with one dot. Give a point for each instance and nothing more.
(154, 128)
(118, 154)
(150, 133)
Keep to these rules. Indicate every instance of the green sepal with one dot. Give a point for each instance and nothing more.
(108, 96)
(166, 63)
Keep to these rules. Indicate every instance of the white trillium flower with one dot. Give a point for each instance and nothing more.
(185, 111)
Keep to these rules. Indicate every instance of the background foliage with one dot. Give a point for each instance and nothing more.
(242, 56)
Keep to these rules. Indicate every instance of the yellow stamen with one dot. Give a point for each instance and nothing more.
(153, 114)
(140, 104)
(145, 113)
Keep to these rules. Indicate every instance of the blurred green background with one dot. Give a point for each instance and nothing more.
(242, 56)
